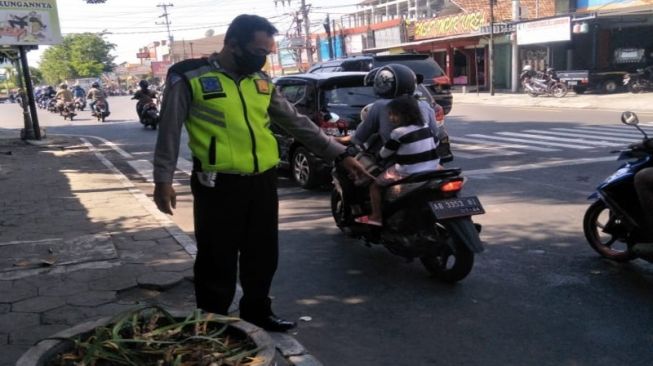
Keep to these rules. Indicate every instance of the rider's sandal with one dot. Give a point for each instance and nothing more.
(366, 220)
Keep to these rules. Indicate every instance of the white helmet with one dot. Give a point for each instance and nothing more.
(527, 68)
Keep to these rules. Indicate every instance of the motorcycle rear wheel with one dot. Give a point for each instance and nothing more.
(593, 223)
(450, 266)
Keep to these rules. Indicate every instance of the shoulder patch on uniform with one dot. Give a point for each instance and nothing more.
(210, 84)
(262, 86)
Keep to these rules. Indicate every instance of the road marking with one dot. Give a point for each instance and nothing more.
(498, 144)
(543, 165)
(185, 165)
(605, 131)
(491, 137)
(561, 139)
(555, 133)
(144, 168)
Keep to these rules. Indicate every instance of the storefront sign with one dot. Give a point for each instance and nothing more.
(544, 31)
(31, 22)
(160, 68)
(449, 26)
(498, 28)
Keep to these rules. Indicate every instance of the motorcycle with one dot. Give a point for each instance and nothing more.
(100, 110)
(68, 111)
(537, 83)
(80, 103)
(424, 217)
(52, 105)
(150, 115)
(613, 223)
(640, 81)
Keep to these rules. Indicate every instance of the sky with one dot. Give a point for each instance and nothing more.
(131, 24)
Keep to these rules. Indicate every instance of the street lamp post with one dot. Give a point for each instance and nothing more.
(491, 48)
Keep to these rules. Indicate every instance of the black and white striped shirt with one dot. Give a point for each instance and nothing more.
(414, 147)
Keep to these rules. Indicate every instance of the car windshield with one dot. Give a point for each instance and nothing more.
(427, 67)
(351, 96)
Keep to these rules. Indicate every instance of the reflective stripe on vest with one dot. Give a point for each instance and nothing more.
(228, 122)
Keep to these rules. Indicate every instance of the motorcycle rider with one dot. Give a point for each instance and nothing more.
(79, 92)
(97, 94)
(389, 81)
(63, 96)
(144, 97)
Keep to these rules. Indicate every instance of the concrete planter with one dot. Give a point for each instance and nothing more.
(43, 351)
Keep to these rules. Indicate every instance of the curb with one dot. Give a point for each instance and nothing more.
(294, 353)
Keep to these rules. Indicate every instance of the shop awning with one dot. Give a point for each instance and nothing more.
(429, 41)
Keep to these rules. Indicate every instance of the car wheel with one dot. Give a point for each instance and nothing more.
(303, 168)
(610, 86)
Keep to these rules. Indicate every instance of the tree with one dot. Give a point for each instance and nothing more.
(36, 74)
(79, 55)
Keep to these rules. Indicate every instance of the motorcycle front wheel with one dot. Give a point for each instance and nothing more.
(635, 88)
(450, 265)
(559, 90)
(597, 216)
(340, 212)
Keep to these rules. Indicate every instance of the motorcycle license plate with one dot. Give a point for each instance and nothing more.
(456, 207)
(572, 82)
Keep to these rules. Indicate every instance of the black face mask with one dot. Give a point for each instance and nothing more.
(249, 63)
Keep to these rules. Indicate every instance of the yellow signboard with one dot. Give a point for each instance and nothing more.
(29, 22)
(449, 26)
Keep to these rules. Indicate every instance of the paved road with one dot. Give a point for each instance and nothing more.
(537, 296)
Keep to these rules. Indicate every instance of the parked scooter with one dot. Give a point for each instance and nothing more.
(423, 217)
(640, 81)
(100, 110)
(537, 83)
(613, 224)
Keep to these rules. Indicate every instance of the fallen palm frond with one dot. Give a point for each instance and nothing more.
(152, 336)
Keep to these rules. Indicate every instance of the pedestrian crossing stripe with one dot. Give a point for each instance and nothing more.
(507, 143)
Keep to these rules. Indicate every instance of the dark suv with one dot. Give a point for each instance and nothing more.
(435, 80)
(320, 96)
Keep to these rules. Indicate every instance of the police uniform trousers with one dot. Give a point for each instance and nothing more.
(236, 229)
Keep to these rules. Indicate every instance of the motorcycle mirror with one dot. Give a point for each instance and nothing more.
(332, 117)
(629, 118)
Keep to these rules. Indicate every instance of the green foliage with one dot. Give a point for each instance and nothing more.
(78, 56)
(36, 74)
(152, 336)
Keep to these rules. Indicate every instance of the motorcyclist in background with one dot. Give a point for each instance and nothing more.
(78, 91)
(63, 96)
(144, 96)
(96, 94)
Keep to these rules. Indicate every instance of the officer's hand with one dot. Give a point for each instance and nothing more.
(165, 197)
(355, 169)
(345, 140)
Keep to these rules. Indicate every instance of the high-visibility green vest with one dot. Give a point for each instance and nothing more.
(228, 123)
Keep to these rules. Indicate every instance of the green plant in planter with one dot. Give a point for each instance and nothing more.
(152, 336)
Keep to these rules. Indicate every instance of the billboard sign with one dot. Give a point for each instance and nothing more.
(449, 25)
(544, 31)
(24, 23)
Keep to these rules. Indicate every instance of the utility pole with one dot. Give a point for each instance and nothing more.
(491, 48)
(307, 31)
(515, 48)
(167, 24)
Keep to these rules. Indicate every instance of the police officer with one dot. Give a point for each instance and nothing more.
(227, 104)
